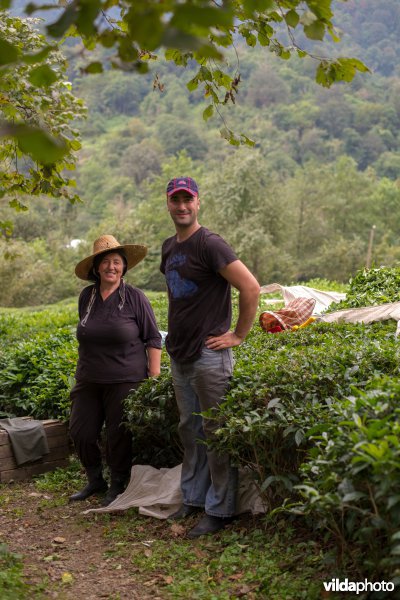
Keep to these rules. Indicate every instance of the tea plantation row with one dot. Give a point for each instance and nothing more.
(313, 413)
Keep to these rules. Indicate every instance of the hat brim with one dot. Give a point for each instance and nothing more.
(134, 254)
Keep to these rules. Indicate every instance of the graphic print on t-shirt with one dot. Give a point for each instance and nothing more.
(178, 286)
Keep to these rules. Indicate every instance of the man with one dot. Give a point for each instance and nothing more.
(200, 268)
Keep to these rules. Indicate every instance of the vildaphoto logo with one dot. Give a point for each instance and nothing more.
(336, 585)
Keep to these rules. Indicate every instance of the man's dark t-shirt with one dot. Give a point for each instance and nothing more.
(199, 298)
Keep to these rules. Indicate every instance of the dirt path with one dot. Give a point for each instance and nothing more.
(71, 553)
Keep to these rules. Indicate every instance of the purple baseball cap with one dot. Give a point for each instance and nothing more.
(182, 184)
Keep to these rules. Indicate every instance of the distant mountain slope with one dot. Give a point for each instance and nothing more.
(371, 30)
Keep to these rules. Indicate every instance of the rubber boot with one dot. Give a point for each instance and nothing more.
(96, 484)
(117, 486)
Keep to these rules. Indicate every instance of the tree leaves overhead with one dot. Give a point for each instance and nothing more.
(343, 69)
(37, 108)
(42, 76)
(35, 142)
(8, 52)
(198, 30)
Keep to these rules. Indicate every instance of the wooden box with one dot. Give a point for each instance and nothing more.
(59, 447)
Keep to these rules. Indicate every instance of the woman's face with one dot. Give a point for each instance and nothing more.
(111, 268)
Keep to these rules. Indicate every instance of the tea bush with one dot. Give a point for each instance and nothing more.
(319, 283)
(370, 287)
(288, 417)
(19, 324)
(283, 386)
(152, 416)
(37, 374)
(351, 478)
(314, 413)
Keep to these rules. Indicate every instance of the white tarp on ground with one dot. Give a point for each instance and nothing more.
(156, 493)
(367, 314)
(323, 299)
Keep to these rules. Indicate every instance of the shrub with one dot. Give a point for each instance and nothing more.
(36, 376)
(370, 287)
(152, 416)
(309, 412)
(351, 479)
(283, 386)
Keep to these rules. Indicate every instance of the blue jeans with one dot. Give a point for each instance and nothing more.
(208, 480)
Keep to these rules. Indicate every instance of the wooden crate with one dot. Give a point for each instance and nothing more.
(59, 447)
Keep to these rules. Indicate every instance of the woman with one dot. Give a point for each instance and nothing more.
(119, 346)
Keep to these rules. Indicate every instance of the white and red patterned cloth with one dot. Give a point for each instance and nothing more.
(296, 312)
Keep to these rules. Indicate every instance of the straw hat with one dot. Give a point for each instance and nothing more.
(134, 254)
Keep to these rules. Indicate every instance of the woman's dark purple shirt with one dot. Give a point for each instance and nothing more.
(112, 343)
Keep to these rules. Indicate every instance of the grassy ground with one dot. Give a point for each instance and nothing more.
(50, 549)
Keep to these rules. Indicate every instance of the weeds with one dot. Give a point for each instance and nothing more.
(12, 586)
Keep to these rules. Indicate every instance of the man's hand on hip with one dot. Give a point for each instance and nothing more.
(226, 340)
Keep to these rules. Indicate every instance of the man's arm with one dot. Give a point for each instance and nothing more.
(240, 277)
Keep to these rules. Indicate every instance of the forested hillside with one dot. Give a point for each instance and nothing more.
(299, 205)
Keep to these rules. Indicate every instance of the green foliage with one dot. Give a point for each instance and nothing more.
(152, 416)
(327, 285)
(310, 206)
(63, 481)
(370, 287)
(376, 33)
(37, 361)
(344, 69)
(329, 387)
(36, 266)
(38, 139)
(36, 376)
(358, 500)
(177, 136)
(193, 33)
(283, 386)
(25, 324)
(12, 584)
(313, 414)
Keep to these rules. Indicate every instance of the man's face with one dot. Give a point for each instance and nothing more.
(183, 208)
